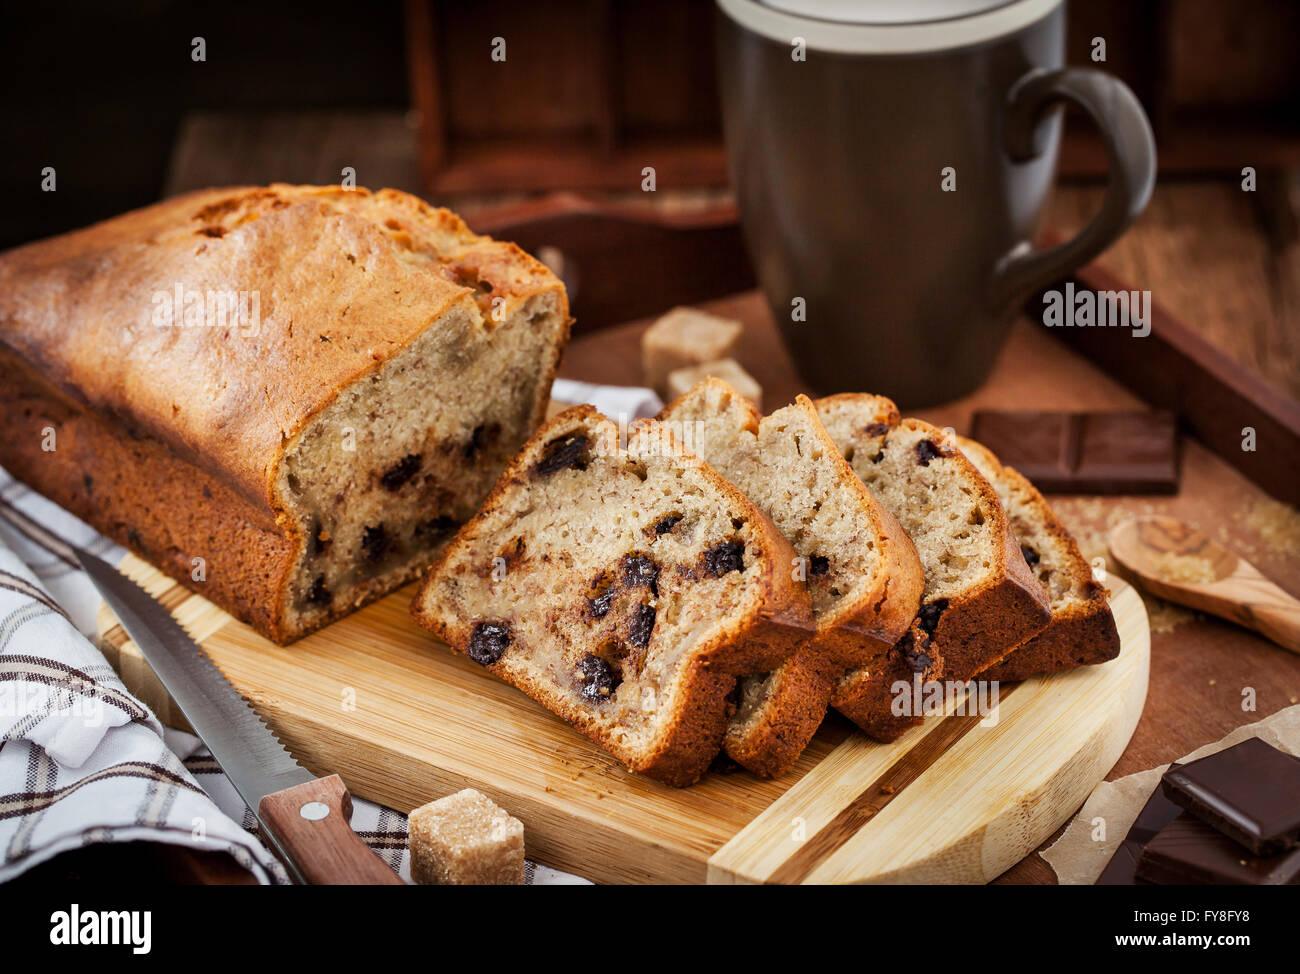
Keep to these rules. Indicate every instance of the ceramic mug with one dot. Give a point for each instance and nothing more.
(891, 161)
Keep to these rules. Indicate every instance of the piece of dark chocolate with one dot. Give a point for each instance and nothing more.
(1250, 792)
(1158, 812)
(1188, 852)
(1086, 453)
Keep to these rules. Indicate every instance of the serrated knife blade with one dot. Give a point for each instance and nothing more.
(304, 818)
(256, 763)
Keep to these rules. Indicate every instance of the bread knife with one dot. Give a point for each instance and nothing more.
(305, 819)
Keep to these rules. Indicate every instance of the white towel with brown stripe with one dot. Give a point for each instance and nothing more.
(81, 760)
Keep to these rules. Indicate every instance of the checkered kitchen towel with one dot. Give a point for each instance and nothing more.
(82, 761)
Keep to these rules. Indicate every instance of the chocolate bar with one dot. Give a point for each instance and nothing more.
(1086, 453)
(1189, 852)
(1158, 812)
(1250, 792)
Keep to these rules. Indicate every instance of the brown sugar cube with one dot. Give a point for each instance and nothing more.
(466, 839)
(728, 370)
(684, 337)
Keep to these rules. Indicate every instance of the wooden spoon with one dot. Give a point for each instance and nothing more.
(1162, 550)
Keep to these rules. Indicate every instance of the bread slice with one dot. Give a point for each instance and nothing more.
(980, 597)
(861, 570)
(624, 588)
(285, 397)
(1082, 630)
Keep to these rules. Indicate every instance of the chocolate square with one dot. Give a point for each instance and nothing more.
(1250, 792)
(1158, 812)
(1086, 453)
(1189, 852)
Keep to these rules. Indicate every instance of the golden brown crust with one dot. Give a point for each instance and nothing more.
(769, 741)
(686, 742)
(995, 618)
(1005, 607)
(867, 696)
(1075, 638)
(691, 742)
(144, 497)
(871, 408)
(311, 253)
(345, 280)
(752, 416)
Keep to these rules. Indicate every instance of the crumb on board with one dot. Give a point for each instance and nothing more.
(1165, 616)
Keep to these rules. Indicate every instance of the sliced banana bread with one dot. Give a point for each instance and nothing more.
(1082, 630)
(861, 570)
(980, 597)
(624, 588)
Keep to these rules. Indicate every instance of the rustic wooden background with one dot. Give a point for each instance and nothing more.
(1226, 262)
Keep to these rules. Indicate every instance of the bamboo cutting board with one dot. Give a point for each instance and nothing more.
(403, 720)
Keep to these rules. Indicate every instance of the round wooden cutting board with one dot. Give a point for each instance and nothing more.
(957, 800)
(403, 721)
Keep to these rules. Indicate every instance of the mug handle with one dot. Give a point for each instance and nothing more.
(1130, 148)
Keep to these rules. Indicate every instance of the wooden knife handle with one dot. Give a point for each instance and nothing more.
(312, 824)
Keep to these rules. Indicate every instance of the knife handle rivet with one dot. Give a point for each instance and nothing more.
(314, 811)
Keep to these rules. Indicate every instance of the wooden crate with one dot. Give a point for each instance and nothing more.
(594, 90)
(591, 92)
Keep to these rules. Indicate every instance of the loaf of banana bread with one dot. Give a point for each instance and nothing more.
(287, 398)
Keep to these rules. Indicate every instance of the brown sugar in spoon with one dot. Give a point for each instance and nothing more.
(1175, 561)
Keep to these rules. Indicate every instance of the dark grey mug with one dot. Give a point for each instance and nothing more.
(890, 181)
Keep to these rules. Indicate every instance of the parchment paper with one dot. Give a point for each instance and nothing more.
(1078, 858)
